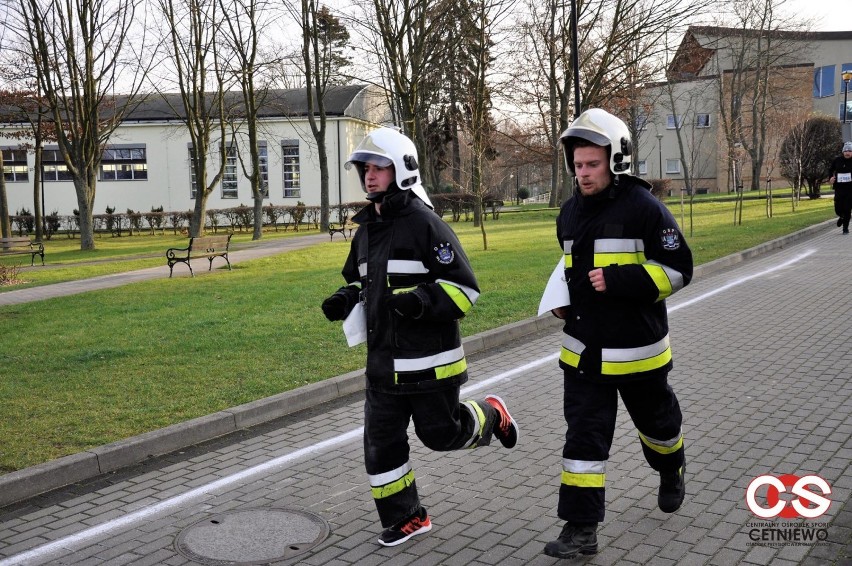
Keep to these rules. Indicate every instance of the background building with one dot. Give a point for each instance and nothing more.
(730, 98)
(147, 161)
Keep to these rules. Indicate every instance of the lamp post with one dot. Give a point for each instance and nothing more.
(660, 151)
(847, 76)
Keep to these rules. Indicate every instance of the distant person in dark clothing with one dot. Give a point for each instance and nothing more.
(841, 180)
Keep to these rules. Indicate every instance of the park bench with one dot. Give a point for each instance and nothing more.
(345, 228)
(208, 247)
(21, 246)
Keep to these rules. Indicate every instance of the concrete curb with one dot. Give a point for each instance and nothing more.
(28, 482)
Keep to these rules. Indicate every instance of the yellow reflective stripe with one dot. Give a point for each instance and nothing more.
(480, 416)
(583, 480)
(450, 370)
(394, 487)
(566, 249)
(403, 290)
(571, 350)
(620, 251)
(624, 258)
(661, 280)
(569, 357)
(637, 366)
(457, 295)
(663, 447)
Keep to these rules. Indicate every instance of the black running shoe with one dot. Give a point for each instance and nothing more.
(417, 524)
(506, 429)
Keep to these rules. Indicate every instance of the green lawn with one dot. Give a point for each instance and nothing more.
(81, 371)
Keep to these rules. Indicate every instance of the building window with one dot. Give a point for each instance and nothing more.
(641, 122)
(263, 153)
(15, 165)
(672, 165)
(193, 181)
(702, 120)
(290, 163)
(229, 177)
(642, 167)
(848, 116)
(53, 166)
(824, 81)
(670, 122)
(124, 163)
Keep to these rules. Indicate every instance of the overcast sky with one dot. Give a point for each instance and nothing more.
(833, 15)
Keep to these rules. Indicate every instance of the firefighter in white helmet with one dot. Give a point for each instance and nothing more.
(624, 254)
(409, 278)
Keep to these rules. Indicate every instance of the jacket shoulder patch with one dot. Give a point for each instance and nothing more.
(444, 253)
(670, 239)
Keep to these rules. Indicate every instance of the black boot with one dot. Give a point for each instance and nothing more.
(672, 491)
(575, 538)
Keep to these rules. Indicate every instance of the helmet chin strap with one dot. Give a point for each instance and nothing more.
(379, 197)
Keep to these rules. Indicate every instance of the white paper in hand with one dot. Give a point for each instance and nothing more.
(556, 293)
(355, 326)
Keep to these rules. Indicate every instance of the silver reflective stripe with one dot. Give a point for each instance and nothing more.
(566, 246)
(583, 466)
(572, 344)
(635, 354)
(379, 480)
(619, 245)
(406, 267)
(666, 443)
(469, 293)
(362, 269)
(474, 434)
(675, 277)
(429, 362)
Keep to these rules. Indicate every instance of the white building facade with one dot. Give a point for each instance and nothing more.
(146, 164)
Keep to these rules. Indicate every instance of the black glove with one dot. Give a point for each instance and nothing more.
(407, 305)
(334, 307)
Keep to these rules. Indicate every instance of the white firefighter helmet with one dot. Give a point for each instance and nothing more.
(601, 128)
(385, 147)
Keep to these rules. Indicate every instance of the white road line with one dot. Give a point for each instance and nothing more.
(35, 555)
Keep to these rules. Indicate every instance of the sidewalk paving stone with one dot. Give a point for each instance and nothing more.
(762, 379)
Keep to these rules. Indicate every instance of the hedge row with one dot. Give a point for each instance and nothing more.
(236, 218)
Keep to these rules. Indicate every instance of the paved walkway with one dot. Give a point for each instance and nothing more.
(762, 372)
(262, 248)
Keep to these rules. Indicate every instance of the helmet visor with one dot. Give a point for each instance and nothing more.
(366, 157)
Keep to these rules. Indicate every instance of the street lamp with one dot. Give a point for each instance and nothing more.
(847, 76)
(660, 151)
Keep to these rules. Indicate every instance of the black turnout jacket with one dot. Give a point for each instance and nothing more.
(622, 333)
(408, 248)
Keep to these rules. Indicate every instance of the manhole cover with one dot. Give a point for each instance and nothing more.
(251, 536)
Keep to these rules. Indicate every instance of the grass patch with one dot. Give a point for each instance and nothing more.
(84, 370)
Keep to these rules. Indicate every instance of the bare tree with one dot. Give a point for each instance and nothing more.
(193, 29)
(324, 38)
(243, 20)
(409, 39)
(485, 17)
(687, 102)
(621, 46)
(80, 50)
(749, 90)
